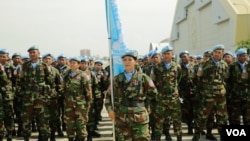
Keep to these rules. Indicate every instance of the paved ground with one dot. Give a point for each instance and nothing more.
(105, 129)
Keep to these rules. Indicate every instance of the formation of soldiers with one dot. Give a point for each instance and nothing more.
(207, 91)
(69, 94)
(46, 94)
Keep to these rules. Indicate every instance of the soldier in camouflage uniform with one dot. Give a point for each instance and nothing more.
(3, 81)
(228, 58)
(17, 63)
(212, 75)
(132, 90)
(102, 79)
(78, 97)
(62, 68)
(91, 125)
(239, 96)
(167, 75)
(7, 93)
(53, 96)
(186, 89)
(36, 84)
(155, 59)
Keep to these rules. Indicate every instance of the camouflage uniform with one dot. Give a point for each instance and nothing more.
(132, 117)
(53, 104)
(78, 97)
(6, 105)
(36, 84)
(91, 125)
(212, 78)
(168, 100)
(17, 99)
(7, 93)
(186, 89)
(98, 96)
(16, 57)
(62, 70)
(239, 96)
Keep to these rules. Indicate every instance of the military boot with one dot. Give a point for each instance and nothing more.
(1, 138)
(52, 136)
(210, 136)
(20, 131)
(33, 126)
(179, 138)
(190, 128)
(45, 138)
(196, 137)
(9, 136)
(14, 133)
(60, 132)
(71, 139)
(26, 138)
(95, 134)
(64, 126)
(157, 138)
(168, 136)
(89, 138)
(153, 133)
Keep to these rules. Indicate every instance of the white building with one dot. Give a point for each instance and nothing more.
(200, 24)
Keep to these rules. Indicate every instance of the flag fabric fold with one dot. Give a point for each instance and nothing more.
(117, 45)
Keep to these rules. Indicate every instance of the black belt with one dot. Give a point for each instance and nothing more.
(133, 103)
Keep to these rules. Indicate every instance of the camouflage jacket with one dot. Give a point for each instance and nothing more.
(102, 81)
(167, 80)
(212, 78)
(139, 89)
(186, 85)
(37, 79)
(57, 82)
(62, 69)
(6, 82)
(238, 80)
(94, 82)
(78, 85)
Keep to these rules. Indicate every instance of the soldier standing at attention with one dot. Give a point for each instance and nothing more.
(91, 125)
(62, 68)
(78, 96)
(167, 75)
(36, 84)
(239, 96)
(17, 64)
(53, 96)
(102, 79)
(131, 90)
(212, 76)
(7, 94)
(186, 88)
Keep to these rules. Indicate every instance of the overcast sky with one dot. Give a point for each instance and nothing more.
(66, 26)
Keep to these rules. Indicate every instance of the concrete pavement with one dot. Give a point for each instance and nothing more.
(105, 129)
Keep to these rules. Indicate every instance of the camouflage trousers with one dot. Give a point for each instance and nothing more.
(131, 125)
(35, 108)
(241, 106)
(209, 107)
(8, 115)
(187, 109)
(92, 121)
(54, 116)
(168, 109)
(76, 116)
(1, 117)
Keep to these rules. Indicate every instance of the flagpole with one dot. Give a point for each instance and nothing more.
(111, 65)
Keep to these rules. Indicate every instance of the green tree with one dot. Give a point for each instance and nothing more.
(244, 44)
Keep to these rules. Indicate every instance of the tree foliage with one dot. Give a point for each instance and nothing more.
(244, 44)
